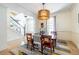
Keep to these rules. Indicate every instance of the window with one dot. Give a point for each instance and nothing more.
(30, 25)
(51, 26)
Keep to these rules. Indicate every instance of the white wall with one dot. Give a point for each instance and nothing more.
(11, 34)
(6, 34)
(67, 24)
(3, 32)
(63, 24)
(75, 24)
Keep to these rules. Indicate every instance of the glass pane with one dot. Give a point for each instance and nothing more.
(51, 26)
(30, 25)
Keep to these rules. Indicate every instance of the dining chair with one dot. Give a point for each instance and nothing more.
(46, 41)
(30, 42)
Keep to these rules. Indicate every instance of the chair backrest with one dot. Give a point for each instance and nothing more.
(29, 38)
(46, 40)
(45, 37)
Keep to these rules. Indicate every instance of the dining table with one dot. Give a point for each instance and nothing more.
(36, 38)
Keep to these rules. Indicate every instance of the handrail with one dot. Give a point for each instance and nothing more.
(16, 21)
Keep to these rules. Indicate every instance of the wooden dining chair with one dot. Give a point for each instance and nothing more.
(46, 41)
(30, 41)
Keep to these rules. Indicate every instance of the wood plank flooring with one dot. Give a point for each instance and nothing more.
(71, 46)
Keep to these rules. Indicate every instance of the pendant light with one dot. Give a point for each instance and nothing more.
(43, 14)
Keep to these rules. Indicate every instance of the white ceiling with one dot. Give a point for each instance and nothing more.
(53, 7)
(34, 7)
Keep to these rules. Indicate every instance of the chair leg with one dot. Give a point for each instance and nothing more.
(53, 49)
(27, 45)
(42, 49)
(32, 47)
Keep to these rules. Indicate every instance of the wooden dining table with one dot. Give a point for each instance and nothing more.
(37, 39)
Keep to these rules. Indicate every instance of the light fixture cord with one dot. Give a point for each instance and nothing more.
(43, 5)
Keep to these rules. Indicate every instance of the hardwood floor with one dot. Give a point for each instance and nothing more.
(73, 49)
(6, 52)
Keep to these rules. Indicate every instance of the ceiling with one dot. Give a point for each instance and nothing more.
(33, 8)
(53, 7)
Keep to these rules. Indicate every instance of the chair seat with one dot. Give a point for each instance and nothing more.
(46, 42)
(47, 45)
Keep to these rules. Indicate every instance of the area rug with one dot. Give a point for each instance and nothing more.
(60, 49)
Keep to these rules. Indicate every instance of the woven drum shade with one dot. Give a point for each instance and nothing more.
(43, 14)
